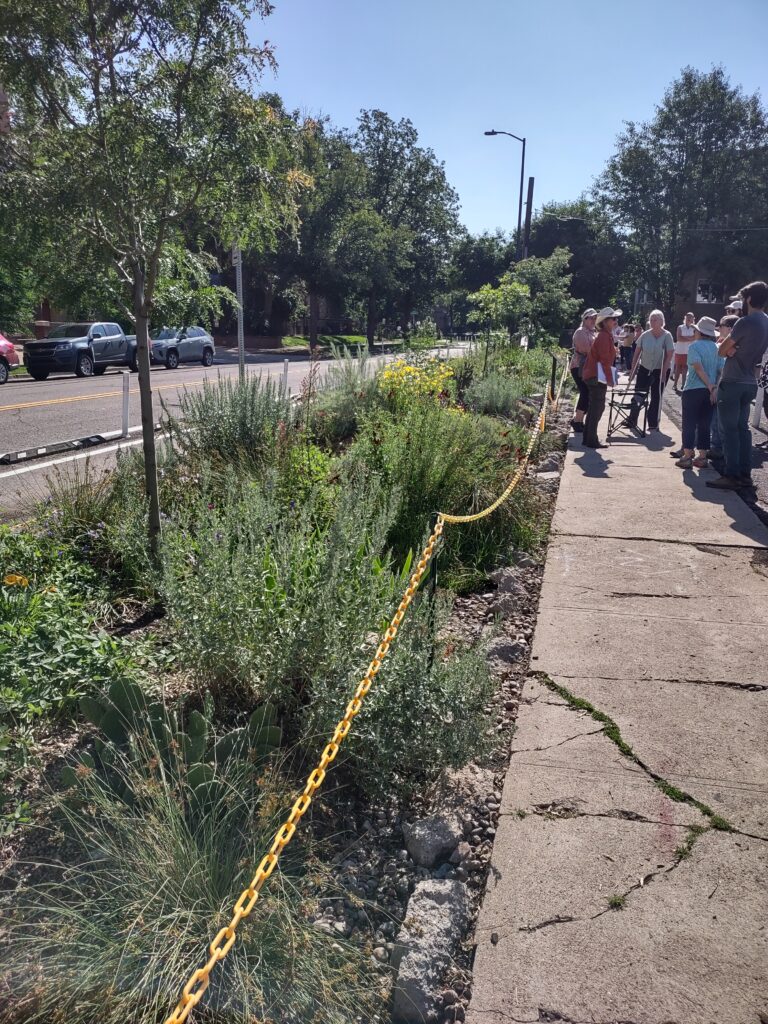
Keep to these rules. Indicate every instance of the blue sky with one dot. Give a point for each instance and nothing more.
(532, 67)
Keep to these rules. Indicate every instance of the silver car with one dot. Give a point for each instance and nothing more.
(174, 345)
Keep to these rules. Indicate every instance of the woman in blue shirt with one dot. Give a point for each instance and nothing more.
(700, 394)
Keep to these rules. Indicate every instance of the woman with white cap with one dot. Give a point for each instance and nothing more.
(700, 394)
(599, 364)
(582, 342)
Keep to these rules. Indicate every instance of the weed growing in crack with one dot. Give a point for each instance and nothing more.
(686, 848)
(617, 901)
(613, 733)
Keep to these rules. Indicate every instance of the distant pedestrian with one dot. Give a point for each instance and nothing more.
(743, 350)
(599, 364)
(700, 394)
(683, 338)
(736, 305)
(653, 357)
(582, 342)
(625, 346)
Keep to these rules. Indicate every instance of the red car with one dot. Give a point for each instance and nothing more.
(8, 358)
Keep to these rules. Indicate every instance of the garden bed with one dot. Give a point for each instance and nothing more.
(289, 534)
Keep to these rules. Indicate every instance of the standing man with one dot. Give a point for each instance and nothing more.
(683, 338)
(651, 363)
(582, 342)
(743, 349)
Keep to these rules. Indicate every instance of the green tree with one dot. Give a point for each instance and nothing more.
(690, 186)
(133, 120)
(475, 261)
(408, 192)
(504, 305)
(600, 258)
(552, 306)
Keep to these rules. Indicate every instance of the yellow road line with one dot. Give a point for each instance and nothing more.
(91, 398)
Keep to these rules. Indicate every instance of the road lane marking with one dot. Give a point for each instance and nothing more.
(103, 394)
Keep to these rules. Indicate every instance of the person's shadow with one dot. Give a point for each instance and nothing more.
(593, 463)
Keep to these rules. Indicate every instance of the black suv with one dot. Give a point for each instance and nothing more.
(83, 349)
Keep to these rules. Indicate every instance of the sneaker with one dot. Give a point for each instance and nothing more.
(701, 462)
(725, 483)
(685, 463)
(677, 454)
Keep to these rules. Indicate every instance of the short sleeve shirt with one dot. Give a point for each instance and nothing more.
(653, 350)
(751, 337)
(686, 337)
(704, 353)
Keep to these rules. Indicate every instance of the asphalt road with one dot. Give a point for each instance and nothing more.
(36, 413)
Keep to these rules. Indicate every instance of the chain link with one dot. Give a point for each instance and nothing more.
(198, 982)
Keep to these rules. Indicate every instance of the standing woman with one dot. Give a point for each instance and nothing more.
(582, 342)
(683, 338)
(599, 363)
(626, 346)
(700, 394)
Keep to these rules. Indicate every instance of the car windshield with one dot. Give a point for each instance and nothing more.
(70, 331)
(166, 334)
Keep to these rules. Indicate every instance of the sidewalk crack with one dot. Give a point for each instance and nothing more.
(551, 746)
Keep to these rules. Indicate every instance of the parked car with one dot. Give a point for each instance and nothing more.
(86, 349)
(174, 345)
(8, 358)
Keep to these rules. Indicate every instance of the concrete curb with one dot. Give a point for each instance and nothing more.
(58, 447)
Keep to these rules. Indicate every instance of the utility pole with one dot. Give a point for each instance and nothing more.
(528, 213)
(237, 260)
(520, 246)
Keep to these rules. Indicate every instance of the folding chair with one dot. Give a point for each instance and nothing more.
(620, 409)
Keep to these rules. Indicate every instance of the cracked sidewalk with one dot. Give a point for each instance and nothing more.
(628, 873)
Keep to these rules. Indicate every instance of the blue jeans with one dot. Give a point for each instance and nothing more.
(733, 405)
(697, 415)
(716, 440)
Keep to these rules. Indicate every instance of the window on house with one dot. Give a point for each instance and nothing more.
(707, 293)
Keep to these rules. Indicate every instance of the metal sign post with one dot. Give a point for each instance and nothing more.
(237, 261)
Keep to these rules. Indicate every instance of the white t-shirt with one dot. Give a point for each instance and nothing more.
(681, 347)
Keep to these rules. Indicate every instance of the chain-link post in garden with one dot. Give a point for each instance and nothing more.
(553, 379)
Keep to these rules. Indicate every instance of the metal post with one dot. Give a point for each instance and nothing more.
(285, 376)
(755, 421)
(237, 259)
(553, 379)
(528, 212)
(520, 206)
(126, 397)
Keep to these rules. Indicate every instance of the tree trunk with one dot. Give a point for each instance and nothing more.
(370, 326)
(314, 318)
(147, 418)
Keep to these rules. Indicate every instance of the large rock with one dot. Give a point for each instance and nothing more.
(435, 921)
(432, 839)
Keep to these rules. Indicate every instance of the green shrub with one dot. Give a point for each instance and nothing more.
(233, 420)
(274, 602)
(117, 935)
(347, 391)
(494, 395)
(423, 713)
(442, 460)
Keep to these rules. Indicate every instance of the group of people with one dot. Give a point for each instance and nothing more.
(720, 366)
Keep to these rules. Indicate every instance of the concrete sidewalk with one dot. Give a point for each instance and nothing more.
(629, 880)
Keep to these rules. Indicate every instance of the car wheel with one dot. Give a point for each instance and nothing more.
(4, 371)
(39, 374)
(98, 370)
(208, 357)
(84, 366)
(172, 360)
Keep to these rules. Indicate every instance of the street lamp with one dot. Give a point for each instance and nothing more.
(520, 201)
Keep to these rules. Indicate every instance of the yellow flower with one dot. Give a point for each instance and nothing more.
(14, 579)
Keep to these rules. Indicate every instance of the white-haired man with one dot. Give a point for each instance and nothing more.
(650, 367)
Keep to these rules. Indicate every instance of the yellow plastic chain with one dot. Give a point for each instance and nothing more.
(193, 991)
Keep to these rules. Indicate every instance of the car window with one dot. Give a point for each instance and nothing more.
(114, 329)
(69, 331)
(98, 331)
(165, 334)
(198, 332)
